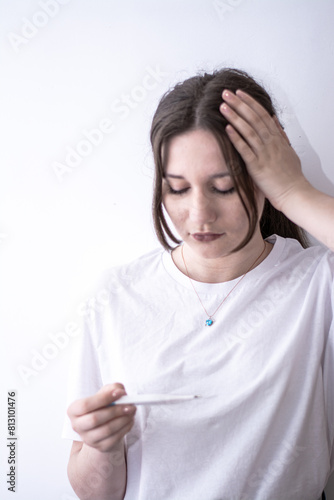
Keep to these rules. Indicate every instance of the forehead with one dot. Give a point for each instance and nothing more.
(193, 142)
(195, 149)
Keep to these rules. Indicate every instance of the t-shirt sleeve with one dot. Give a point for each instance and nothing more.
(84, 372)
(328, 370)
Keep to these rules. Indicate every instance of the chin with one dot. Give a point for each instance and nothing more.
(211, 250)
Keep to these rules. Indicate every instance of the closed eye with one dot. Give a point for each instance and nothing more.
(227, 191)
(174, 191)
(214, 189)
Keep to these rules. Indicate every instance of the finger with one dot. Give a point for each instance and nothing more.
(281, 130)
(245, 130)
(252, 112)
(102, 398)
(92, 420)
(109, 443)
(109, 429)
(252, 129)
(257, 108)
(240, 145)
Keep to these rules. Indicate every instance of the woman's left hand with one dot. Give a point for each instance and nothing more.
(264, 146)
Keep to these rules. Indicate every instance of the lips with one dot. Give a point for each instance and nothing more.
(206, 237)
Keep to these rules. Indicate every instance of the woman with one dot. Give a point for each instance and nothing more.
(237, 310)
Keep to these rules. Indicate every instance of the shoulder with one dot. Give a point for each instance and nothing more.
(147, 264)
(122, 280)
(315, 252)
(315, 258)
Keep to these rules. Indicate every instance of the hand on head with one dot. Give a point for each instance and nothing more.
(264, 146)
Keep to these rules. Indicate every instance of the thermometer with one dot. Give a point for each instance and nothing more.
(153, 399)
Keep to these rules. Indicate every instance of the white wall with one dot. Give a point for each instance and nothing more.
(57, 232)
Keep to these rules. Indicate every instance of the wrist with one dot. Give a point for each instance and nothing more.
(118, 448)
(293, 199)
(108, 466)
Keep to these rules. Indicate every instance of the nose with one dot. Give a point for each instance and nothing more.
(201, 209)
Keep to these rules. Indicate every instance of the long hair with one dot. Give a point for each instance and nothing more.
(194, 104)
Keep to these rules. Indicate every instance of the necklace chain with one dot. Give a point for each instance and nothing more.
(209, 321)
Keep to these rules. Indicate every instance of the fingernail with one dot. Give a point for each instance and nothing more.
(226, 94)
(240, 93)
(129, 409)
(118, 392)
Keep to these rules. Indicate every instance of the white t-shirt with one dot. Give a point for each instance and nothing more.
(263, 428)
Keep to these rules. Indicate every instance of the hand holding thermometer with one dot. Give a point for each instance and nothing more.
(153, 399)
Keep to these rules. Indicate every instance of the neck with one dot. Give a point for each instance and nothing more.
(221, 269)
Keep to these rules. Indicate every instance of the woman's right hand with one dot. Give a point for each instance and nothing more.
(99, 425)
(265, 148)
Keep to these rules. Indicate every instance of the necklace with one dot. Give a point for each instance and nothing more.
(209, 321)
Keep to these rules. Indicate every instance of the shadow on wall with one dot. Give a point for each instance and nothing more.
(312, 168)
(311, 163)
(330, 488)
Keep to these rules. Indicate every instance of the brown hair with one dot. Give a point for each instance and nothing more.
(194, 104)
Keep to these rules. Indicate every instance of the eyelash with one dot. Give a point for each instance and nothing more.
(215, 190)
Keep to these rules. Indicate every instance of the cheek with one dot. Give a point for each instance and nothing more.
(260, 200)
(175, 210)
(235, 217)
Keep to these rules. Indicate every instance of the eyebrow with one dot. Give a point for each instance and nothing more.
(214, 176)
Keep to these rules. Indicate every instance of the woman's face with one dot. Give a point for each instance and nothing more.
(199, 196)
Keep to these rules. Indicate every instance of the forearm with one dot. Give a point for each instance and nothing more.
(96, 475)
(313, 211)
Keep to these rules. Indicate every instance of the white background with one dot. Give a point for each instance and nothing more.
(61, 74)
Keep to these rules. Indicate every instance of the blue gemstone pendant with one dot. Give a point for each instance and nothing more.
(209, 322)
